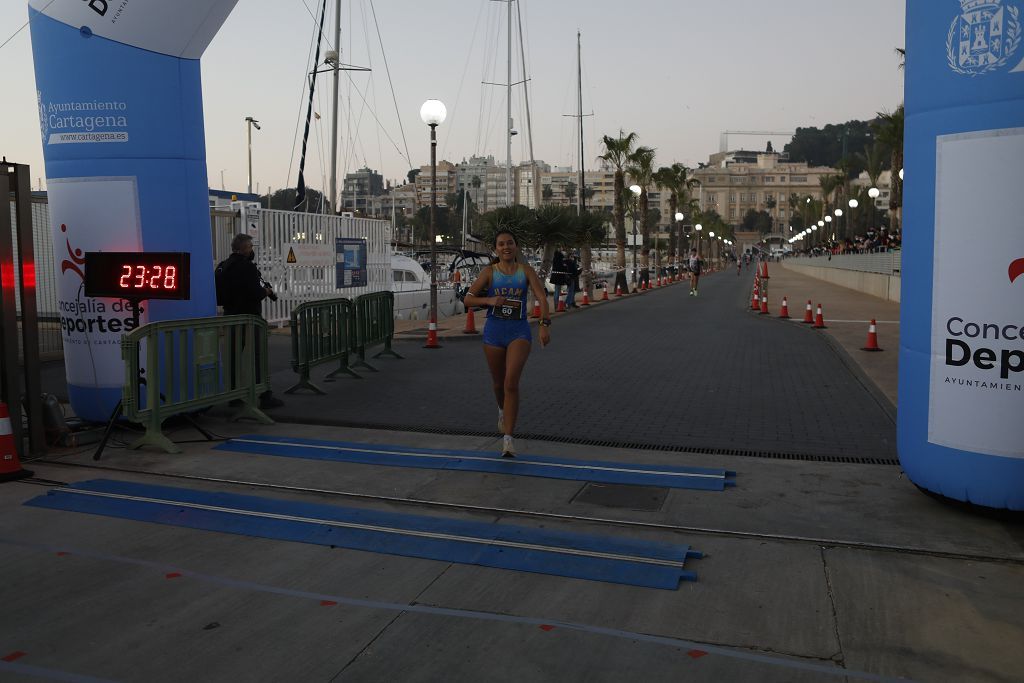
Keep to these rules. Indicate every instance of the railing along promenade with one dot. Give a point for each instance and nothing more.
(876, 273)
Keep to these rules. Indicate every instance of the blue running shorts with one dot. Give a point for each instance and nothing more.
(501, 333)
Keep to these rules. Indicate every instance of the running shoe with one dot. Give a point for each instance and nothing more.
(508, 449)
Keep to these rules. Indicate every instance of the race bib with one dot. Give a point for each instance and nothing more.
(512, 309)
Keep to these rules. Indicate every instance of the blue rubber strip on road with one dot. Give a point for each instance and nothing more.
(543, 551)
(701, 478)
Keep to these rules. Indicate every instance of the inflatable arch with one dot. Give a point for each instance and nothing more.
(121, 117)
(961, 390)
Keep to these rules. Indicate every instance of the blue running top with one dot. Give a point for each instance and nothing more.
(513, 288)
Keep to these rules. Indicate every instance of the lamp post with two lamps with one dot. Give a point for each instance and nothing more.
(250, 122)
(433, 113)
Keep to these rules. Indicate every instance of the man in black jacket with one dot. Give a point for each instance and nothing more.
(241, 290)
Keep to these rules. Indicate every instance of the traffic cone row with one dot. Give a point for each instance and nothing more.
(10, 466)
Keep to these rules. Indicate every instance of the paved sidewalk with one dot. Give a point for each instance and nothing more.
(847, 313)
(821, 564)
(658, 369)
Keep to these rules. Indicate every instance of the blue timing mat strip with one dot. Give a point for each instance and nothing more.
(480, 461)
(542, 551)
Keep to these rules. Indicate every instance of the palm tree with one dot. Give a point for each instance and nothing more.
(641, 169)
(617, 151)
(676, 180)
(552, 225)
(889, 132)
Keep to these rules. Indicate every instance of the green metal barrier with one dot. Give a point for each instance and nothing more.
(190, 365)
(375, 324)
(322, 331)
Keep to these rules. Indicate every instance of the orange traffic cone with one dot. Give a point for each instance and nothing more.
(756, 296)
(536, 309)
(764, 305)
(604, 296)
(872, 344)
(784, 313)
(808, 316)
(470, 321)
(618, 290)
(765, 273)
(819, 320)
(586, 299)
(432, 336)
(561, 306)
(10, 466)
(659, 281)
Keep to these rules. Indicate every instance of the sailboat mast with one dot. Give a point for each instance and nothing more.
(334, 114)
(508, 120)
(535, 187)
(580, 202)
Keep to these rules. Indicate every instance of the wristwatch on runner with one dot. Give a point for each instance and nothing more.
(546, 322)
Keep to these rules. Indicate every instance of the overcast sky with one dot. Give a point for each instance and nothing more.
(677, 72)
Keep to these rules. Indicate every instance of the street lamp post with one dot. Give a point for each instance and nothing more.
(679, 220)
(853, 204)
(873, 194)
(433, 113)
(636, 190)
(698, 228)
(249, 123)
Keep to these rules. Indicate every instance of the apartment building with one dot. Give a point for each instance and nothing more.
(359, 187)
(446, 183)
(737, 181)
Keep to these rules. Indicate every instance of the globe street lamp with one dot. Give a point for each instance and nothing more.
(873, 193)
(433, 113)
(853, 204)
(698, 228)
(636, 190)
(679, 219)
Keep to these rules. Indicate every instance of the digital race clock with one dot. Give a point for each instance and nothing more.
(137, 275)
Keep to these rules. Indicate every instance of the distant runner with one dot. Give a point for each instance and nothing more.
(507, 337)
(695, 268)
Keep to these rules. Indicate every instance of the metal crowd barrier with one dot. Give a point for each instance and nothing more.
(190, 365)
(322, 331)
(375, 324)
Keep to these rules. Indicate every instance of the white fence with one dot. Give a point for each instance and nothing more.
(297, 283)
(294, 284)
(883, 262)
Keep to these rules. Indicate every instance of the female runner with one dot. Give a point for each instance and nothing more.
(507, 338)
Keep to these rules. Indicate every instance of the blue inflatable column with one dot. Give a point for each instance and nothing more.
(961, 390)
(121, 117)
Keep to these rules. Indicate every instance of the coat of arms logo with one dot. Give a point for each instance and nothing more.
(983, 37)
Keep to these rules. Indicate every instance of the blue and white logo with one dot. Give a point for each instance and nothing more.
(983, 37)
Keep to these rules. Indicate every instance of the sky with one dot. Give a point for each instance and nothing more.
(676, 72)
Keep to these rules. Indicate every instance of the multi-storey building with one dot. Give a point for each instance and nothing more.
(400, 200)
(359, 187)
(446, 183)
(735, 182)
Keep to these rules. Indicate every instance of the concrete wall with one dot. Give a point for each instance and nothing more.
(883, 286)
